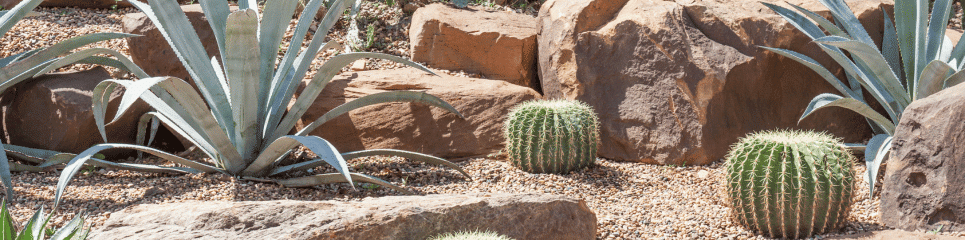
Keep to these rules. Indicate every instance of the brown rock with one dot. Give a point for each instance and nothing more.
(924, 184)
(498, 45)
(519, 216)
(679, 82)
(54, 112)
(417, 127)
(152, 53)
(894, 235)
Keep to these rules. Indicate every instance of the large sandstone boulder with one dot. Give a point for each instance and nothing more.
(924, 182)
(54, 112)
(679, 82)
(519, 216)
(498, 45)
(417, 127)
(153, 54)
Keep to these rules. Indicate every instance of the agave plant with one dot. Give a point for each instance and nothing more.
(239, 118)
(915, 60)
(36, 228)
(22, 66)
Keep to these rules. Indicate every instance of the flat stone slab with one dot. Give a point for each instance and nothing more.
(520, 216)
(895, 235)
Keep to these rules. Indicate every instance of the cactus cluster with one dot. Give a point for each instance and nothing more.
(791, 184)
(551, 136)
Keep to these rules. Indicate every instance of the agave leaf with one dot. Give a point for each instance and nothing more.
(12, 16)
(878, 148)
(142, 125)
(816, 67)
(275, 109)
(831, 100)
(329, 178)
(878, 64)
(78, 161)
(855, 72)
(384, 97)
(70, 229)
(5, 174)
(179, 33)
(933, 78)
(194, 108)
(216, 11)
(22, 75)
(911, 19)
(936, 28)
(248, 4)
(955, 79)
(277, 17)
(33, 227)
(282, 145)
(889, 45)
(83, 54)
(7, 73)
(408, 155)
(843, 14)
(16, 167)
(31, 152)
(798, 20)
(66, 157)
(110, 62)
(823, 22)
(12, 58)
(7, 228)
(317, 84)
(288, 74)
(242, 71)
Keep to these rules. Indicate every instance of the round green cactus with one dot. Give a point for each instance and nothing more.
(790, 184)
(551, 136)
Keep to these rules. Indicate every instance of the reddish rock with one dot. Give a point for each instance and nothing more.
(924, 182)
(54, 112)
(679, 82)
(417, 127)
(153, 54)
(519, 216)
(498, 45)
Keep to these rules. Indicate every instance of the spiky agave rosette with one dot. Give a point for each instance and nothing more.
(791, 184)
(551, 136)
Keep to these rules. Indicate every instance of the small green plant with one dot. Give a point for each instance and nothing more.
(36, 228)
(551, 136)
(790, 184)
(369, 36)
(461, 3)
(471, 235)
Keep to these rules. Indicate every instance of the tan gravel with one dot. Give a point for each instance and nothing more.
(631, 200)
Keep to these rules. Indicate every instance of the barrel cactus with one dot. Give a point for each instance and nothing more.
(791, 184)
(551, 136)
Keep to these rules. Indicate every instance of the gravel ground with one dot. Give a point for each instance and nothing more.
(631, 200)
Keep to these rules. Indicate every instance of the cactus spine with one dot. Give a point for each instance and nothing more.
(790, 184)
(551, 136)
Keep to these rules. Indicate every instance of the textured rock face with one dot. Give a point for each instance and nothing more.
(924, 184)
(894, 235)
(417, 127)
(54, 112)
(498, 45)
(523, 216)
(679, 82)
(153, 54)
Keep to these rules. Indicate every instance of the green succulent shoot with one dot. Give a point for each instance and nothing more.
(36, 228)
(915, 60)
(551, 136)
(240, 119)
(790, 184)
(23, 66)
